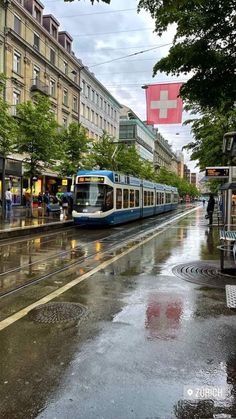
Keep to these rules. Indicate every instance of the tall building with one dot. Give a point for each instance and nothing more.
(99, 110)
(135, 132)
(36, 56)
(164, 155)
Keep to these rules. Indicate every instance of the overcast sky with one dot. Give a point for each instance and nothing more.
(106, 32)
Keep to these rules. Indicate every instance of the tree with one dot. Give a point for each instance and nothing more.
(7, 137)
(38, 135)
(184, 187)
(208, 132)
(102, 154)
(204, 45)
(74, 145)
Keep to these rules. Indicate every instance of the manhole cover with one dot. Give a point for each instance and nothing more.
(203, 273)
(57, 312)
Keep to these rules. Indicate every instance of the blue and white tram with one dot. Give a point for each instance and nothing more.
(103, 197)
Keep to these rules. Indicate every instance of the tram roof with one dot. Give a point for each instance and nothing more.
(126, 179)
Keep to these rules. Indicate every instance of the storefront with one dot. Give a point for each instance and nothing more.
(13, 179)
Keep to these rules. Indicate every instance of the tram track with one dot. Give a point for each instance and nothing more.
(110, 244)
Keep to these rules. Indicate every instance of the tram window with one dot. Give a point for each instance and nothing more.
(137, 198)
(152, 198)
(158, 198)
(118, 198)
(131, 198)
(108, 198)
(125, 198)
(168, 198)
(145, 201)
(162, 198)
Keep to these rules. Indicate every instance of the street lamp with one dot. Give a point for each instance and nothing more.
(229, 144)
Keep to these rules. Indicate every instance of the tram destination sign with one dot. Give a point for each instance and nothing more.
(217, 172)
(91, 179)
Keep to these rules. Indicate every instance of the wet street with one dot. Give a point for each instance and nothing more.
(131, 336)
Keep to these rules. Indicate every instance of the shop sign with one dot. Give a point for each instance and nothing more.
(64, 182)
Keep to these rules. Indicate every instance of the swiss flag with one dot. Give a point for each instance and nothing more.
(163, 104)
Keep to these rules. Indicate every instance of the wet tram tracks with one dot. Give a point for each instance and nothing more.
(105, 246)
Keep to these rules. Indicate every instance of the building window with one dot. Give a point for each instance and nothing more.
(100, 122)
(92, 116)
(93, 95)
(37, 14)
(64, 122)
(101, 102)
(54, 31)
(108, 109)
(97, 98)
(88, 92)
(75, 103)
(68, 46)
(83, 109)
(65, 97)
(65, 67)
(75, 75)
(52, 85)
(36, 41)
(83, 87)
(96, 119)
(16, 101)
(36, 74)
(52, 56)
(17, 62)
(87, 113)
(17, 24)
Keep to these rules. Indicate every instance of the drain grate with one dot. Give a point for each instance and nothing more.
(203, 273)
(231, 296)
(57, 312)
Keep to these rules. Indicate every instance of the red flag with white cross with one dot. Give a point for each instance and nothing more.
(164, 106)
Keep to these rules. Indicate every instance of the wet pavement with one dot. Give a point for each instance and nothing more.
(18, 222)
(145, 343)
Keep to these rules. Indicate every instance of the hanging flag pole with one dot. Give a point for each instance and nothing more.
(163, 103)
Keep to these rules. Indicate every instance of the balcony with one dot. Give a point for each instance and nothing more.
(38, 86)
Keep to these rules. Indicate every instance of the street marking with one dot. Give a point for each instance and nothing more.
(22, 313)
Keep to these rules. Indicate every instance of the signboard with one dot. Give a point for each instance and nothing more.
(64, 182)
(91, 179)
(217, 172)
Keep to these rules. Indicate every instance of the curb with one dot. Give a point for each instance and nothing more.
(31, 230)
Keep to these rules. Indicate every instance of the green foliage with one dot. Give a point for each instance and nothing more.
(102, 154)
(37, 134)
(204, 45)
(208, 134)
(170, 178)
(7, 125)
(74, 145)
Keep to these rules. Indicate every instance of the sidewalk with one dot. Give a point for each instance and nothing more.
(18, 223)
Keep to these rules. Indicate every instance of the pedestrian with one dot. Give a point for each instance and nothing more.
(28, 200)
(8, 196)
(46, 199)
(65, 204)
(40, 203)
(210, 208)
(203, 202)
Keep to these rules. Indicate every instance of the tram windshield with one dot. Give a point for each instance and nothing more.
(92, 197)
